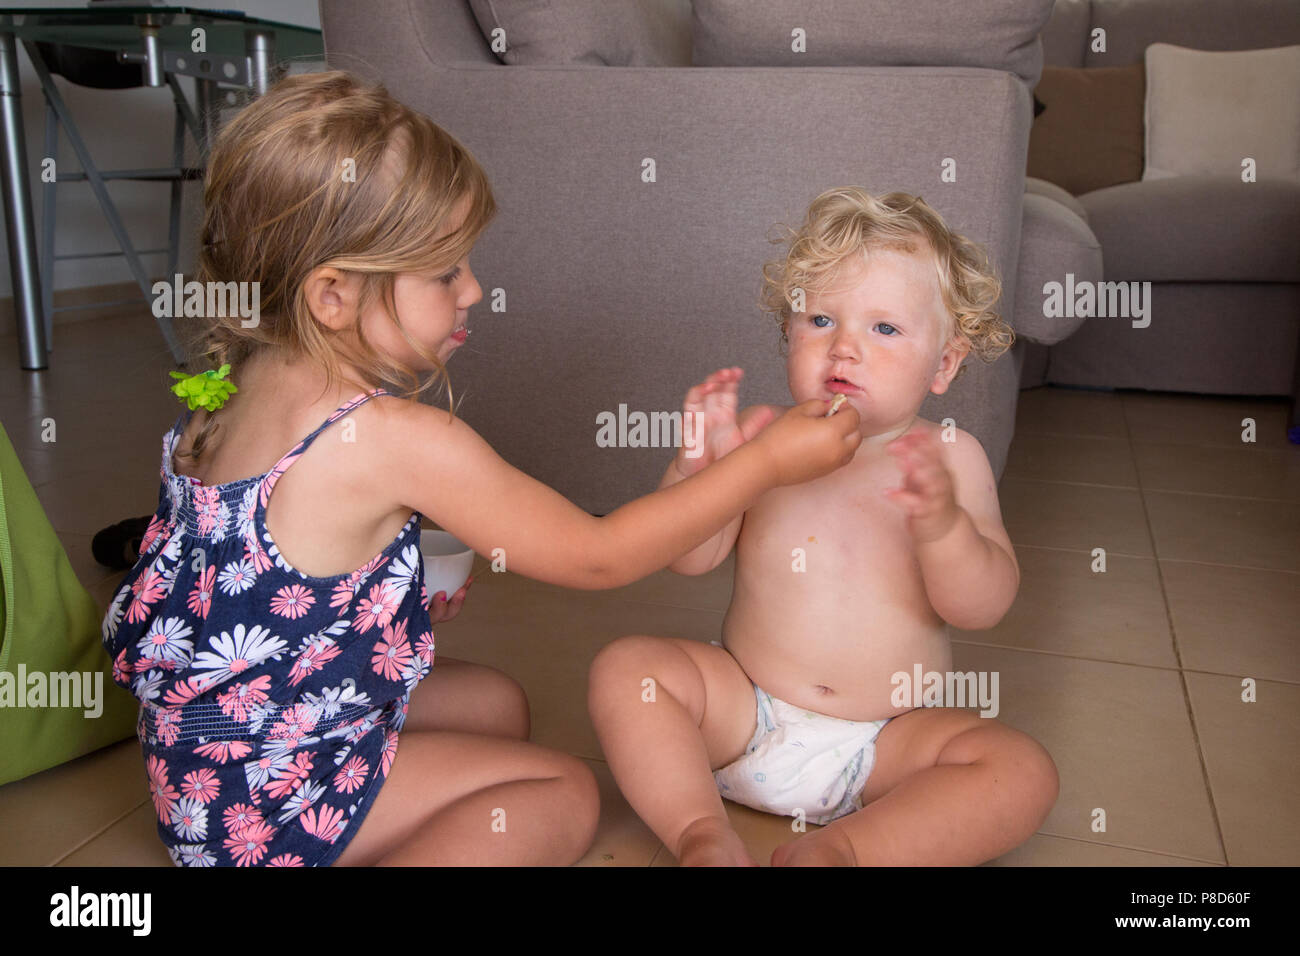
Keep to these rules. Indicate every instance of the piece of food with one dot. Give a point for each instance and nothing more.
(839, 400)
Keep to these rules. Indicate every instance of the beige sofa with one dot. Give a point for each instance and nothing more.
(1223, 256)
(623, 292)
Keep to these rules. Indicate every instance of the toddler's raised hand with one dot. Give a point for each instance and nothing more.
(710, 427)
(926, 494)
(804, 444)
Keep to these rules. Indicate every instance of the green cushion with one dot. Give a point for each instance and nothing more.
(51, 631)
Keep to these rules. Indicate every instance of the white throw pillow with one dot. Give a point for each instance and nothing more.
(1206, 112)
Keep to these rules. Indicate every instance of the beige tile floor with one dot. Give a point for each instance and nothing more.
(1131, 678)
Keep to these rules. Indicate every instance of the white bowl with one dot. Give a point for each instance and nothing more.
(447, 562)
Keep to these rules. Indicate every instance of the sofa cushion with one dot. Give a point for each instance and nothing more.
(1065, 38)
(994, 34)
(1206, 112)
(1054, 242)
(1090, 135)
(1198, 229)
(597, 32)
(1133, 25)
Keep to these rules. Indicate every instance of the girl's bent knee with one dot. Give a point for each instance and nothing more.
(581, 803)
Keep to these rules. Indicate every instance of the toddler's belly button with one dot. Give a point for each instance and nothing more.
(822, 689)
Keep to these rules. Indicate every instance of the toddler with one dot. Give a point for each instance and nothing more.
(841, 583)
(276, 628)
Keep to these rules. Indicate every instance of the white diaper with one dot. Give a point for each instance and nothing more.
(800, 760)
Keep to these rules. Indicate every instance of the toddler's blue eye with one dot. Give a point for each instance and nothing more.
(817, 321)
(886, 328)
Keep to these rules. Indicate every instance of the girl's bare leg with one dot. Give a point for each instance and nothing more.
(458, 799)
(667, 712)
(470, 698)
(949, 788)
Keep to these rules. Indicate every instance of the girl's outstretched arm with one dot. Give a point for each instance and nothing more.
(447, 472)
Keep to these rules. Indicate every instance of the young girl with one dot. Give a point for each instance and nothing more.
(275, 639)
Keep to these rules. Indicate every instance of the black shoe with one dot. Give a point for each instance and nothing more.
(118, 546)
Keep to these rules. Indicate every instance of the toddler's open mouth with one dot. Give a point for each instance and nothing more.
(842, 386)
(460, 334)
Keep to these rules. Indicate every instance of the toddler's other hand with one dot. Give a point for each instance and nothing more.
(710, 428)
(926, 494)
(442, 610)
(804, 444)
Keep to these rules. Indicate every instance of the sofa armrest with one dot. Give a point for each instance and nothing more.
(1054, 242)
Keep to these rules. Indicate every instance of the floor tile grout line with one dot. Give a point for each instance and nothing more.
(1139, 488)
(1221, 446)
(99, 833)
(1173, 638)
(1135, 849)
(1147, 557)
(1238, 567)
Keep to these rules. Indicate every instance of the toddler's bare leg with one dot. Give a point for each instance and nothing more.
(949, 788)
(668, 712)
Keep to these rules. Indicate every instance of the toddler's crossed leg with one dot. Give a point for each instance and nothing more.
(948, 787)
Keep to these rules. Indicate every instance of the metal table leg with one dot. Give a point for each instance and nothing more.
(32, 345)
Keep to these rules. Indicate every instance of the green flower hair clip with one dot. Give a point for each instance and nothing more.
(206, 389)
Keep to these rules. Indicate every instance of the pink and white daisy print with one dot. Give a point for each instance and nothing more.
(162, 792)
(248, 846)
(292, 601)
(190, 819)
(223, 751)
(324, 821)
(166, 643)
(378, 607)
(237, 702)
(237, 577)
(147, 589)
(202, 784)
(392, 653)
(232, 653)
(200, 601)
(352, 776)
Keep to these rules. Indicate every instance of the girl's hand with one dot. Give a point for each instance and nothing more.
(709, 421)
(926, 494)
(441, 610)
(804, 444)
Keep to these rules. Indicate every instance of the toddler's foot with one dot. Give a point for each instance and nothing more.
(825, 847)
(711, 842)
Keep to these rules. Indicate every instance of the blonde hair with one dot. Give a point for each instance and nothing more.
(845, 223)
(279, 203)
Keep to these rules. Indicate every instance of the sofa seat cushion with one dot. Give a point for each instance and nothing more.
(1198, 229)
(1054, 243)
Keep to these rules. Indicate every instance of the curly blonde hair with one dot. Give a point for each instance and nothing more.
(279, 203)
(844, 223)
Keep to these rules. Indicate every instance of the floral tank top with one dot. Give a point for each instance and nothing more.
(270, 701)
